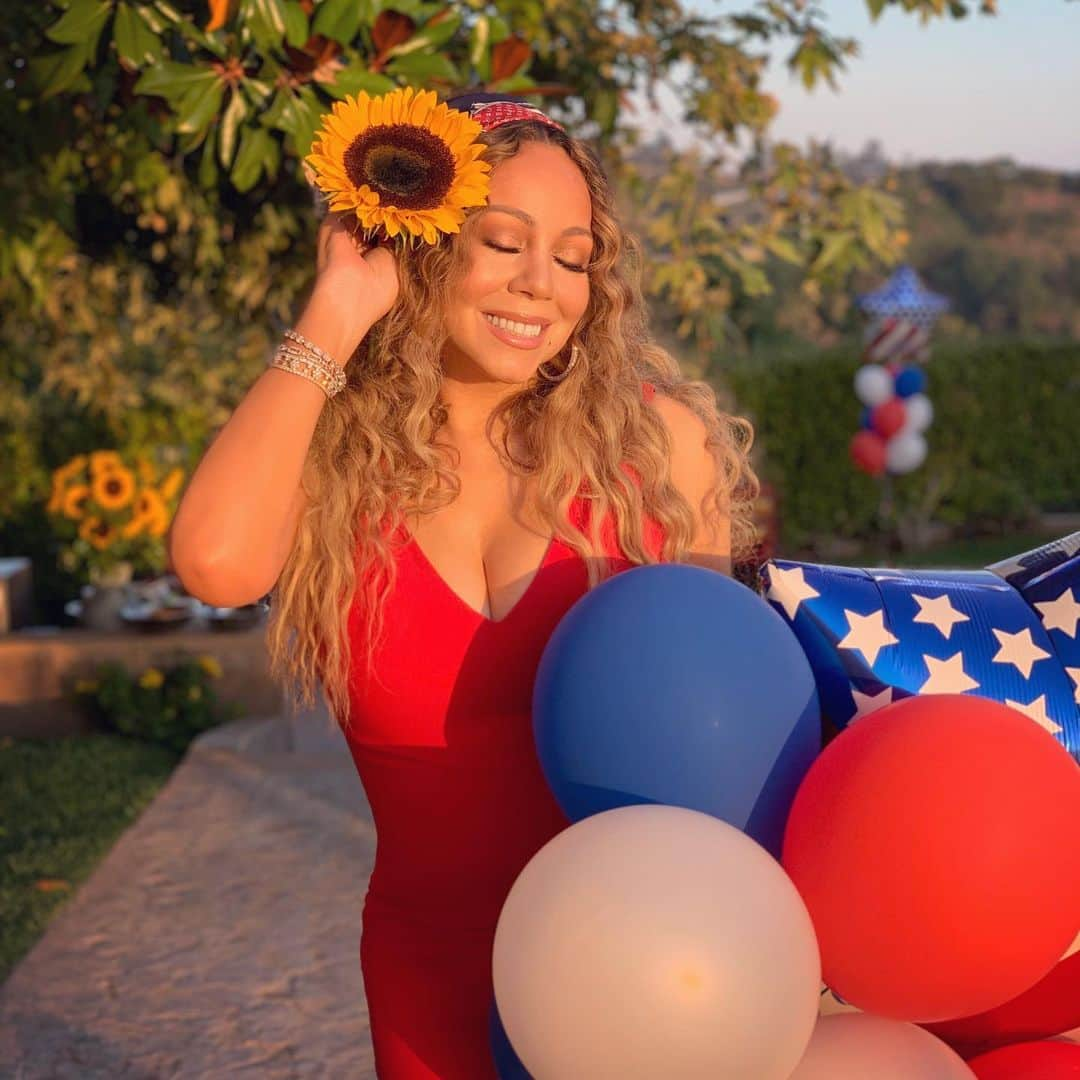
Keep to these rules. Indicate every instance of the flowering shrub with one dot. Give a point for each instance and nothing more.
(169, 706)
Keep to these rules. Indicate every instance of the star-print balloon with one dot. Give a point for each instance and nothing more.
(874, 636)
(904, 297)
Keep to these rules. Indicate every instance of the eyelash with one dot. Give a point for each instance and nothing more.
(517, 251)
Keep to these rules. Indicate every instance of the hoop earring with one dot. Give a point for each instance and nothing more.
(558, 376)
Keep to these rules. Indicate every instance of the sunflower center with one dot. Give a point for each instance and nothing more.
(408, 167)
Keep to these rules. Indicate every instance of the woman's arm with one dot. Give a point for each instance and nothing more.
(693, 472)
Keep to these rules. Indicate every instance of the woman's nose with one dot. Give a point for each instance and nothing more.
(535, 276)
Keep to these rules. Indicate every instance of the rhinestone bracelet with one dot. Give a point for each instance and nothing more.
(310, 363)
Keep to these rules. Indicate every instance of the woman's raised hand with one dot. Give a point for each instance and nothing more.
(364, 273)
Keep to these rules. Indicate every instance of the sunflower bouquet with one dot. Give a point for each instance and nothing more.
(112, 514)
(401, 162)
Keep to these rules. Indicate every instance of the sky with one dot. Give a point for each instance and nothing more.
(971, 89)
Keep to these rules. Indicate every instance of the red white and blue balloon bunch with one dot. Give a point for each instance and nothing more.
(722, 863)
(891, 383)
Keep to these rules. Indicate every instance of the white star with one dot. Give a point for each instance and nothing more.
(1074, 674)
(789, 588)
(1018, 649)
(1037, 711)
(947, 676)
(938, 611)
(867, 633)
(868, 703)
(1061, 614)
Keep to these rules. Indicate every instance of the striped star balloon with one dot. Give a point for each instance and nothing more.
(874, 636)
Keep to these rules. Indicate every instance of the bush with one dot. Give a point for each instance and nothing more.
(167, 707)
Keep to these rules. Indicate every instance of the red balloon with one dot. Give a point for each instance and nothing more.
(868, 452)
(1029, 1061)
(888, 417)
(1050, 1007)
(935, 845)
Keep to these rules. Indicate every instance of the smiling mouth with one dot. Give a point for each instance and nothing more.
(512, 326)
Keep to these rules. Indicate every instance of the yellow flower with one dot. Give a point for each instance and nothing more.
(171, 484)
(150, 515)
(96, 532)
(402, 162)
(66, 471)
(113, 488)
(74, 498)
(194, 693)
(151, 679)
(210, 665)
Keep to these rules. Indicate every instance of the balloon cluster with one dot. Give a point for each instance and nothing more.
(720, 865)
(891, 384)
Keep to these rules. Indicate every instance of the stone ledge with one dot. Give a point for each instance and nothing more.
(36, 671)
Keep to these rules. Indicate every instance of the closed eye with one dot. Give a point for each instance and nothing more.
(517, 251)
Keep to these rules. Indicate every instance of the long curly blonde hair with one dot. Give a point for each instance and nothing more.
(374, 458)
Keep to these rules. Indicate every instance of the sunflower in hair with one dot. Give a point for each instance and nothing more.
(402, 162)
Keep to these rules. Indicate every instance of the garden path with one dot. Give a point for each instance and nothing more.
(221, 934)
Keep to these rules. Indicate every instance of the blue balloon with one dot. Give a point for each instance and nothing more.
(911, 380)
(865, 420)
(507, 1063)
(676, 685)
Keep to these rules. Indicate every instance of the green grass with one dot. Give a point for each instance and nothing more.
(63, 804)
(961, 555)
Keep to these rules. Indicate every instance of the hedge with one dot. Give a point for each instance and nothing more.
(1002, 446)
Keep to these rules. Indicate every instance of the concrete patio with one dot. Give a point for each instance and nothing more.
(221, 934)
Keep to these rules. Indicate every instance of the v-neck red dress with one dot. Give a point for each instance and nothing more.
(442, 740)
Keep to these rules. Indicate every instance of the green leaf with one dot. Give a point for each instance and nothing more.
(835, 245)
(296, 24)
(134, 40)
(784, 249)
(479, 45)
(419, 67)
(199, 107)
(430, 38)
(514, 84)
(263, 22)
(273, 12)
(298, 115)
(258, 148)
(52, 74)
(82, 22)
(208, 168)
(876, 8)
(604, 108)
(231, 120)
(340, 19)
(352, 80)
(171, 80)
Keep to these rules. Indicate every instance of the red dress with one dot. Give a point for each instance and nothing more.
(442, 740)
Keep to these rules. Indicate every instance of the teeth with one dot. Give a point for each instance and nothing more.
(525, 329)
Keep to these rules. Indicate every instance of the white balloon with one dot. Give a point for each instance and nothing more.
(873, 384)
(860, 1046)
(904, 453)
(920, 413)
(655, 941)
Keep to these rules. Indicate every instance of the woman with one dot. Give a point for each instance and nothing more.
(508, 436)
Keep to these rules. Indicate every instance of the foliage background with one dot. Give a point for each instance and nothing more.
(156, 234)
